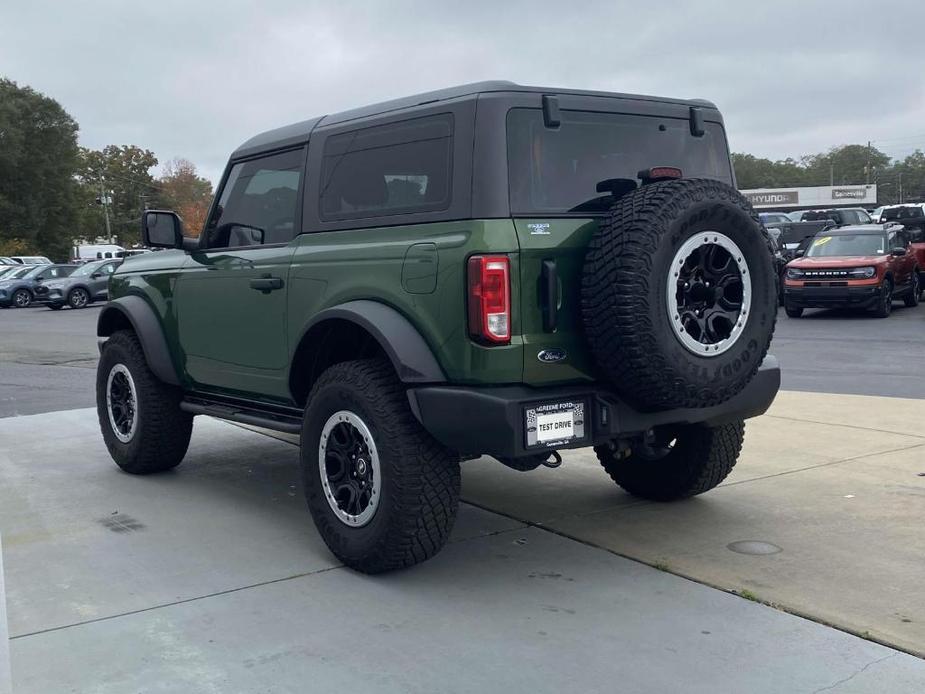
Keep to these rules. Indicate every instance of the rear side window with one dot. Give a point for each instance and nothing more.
(556, 170)
(399, 168)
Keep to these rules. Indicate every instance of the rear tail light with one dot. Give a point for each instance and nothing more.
(490, 298)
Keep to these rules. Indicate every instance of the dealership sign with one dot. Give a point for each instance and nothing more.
(777, 197)
(812, 196)
(848, 193)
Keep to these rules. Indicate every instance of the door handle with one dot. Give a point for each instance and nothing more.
(267, 283)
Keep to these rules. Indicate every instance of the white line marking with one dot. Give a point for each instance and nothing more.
(6, 677)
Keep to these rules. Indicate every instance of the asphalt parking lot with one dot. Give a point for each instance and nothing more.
(213, 579)
(47, 359)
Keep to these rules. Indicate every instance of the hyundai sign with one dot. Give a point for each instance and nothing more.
(814, 196)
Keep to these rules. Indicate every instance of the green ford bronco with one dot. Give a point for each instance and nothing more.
(485, 270)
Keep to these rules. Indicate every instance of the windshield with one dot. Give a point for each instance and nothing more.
(87, 269)
(556, 170)
(847, 244)
(19, 273)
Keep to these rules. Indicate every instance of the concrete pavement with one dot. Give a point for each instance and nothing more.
(212, 579)
(835, 481)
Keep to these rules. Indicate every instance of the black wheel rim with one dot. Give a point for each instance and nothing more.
(349, 468)
(708, 293)
(121, 402)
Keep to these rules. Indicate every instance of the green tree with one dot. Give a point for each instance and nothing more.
(845, 165)
(755, 172)
(120, 174)
(38, 157)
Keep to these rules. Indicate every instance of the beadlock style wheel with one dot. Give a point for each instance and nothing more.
(349, 465)
(708, 293)
(122, 402)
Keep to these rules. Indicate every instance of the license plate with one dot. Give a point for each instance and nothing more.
(555, 424)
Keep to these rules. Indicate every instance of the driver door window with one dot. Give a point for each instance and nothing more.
(259, 202)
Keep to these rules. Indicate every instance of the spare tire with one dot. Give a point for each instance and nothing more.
(678, 294)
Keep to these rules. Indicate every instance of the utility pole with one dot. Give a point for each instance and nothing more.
(900, 187)
(831, 174)
(867, 168)
(104, 201)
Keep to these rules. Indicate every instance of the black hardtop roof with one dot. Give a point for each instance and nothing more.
(295, 133)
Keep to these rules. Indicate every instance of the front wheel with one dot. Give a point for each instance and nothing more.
(885, 303)
(22, 298)
(383, 493)
(676, 464)
(140, 417)
(55, 307)
(912, 298)
(78, 298)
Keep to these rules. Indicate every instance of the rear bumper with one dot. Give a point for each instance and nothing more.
(832, 297)
(491, 421)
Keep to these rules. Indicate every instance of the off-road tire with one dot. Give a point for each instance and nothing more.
(420, 478)
(701, 458)
(885, 303)
(78, 298)
(624, 295)
(793, 311)
(912, 297)
(163, 430)
(22, 298)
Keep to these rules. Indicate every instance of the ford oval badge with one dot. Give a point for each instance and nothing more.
(551, 356)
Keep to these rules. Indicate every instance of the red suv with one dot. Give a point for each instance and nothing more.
(854, 267)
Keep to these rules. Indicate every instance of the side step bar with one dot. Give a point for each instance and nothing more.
(284, 419)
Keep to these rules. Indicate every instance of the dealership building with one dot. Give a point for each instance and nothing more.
(862, 195)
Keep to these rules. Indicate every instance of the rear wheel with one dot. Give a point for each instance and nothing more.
(383, 493)
(676, 464)
(885, 303)
(55, 307)
(912, 298)
(22, 298)
(78, 298)
(140, 417)
(793, 311)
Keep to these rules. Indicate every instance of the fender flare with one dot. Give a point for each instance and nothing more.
(147, 327)
(412, 358)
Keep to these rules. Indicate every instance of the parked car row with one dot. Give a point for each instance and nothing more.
(55, 286)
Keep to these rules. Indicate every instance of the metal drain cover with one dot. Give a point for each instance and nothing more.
(754, 547)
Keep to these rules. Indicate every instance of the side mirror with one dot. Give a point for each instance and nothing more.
(161, 229)
(96, 275)
(800, 252)
(898, 251)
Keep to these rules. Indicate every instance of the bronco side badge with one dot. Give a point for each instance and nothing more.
(551, 356)
(539, 229)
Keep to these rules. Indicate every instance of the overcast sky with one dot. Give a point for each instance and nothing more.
(195, 78)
